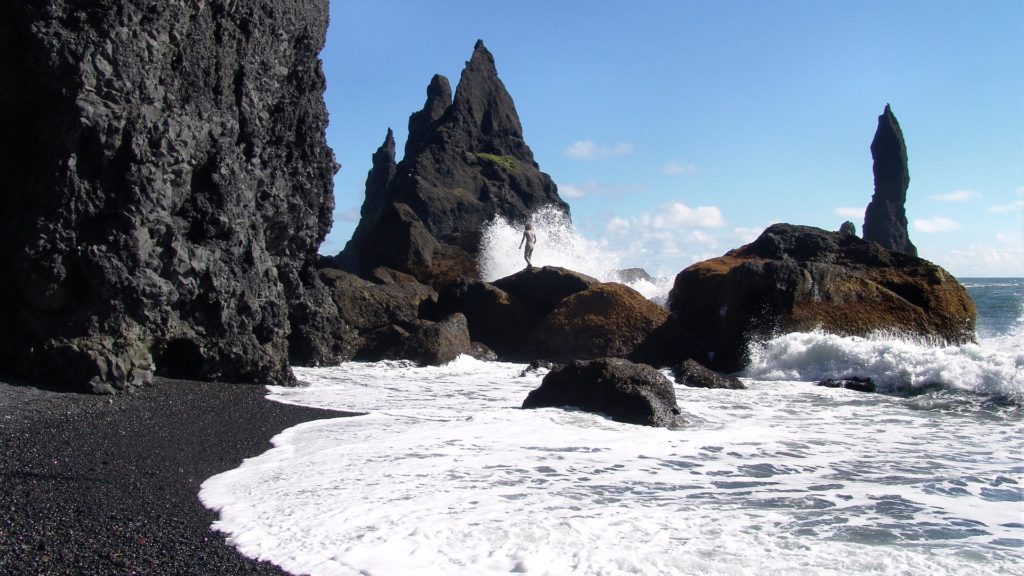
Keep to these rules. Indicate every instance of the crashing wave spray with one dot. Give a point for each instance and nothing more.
(558, 244)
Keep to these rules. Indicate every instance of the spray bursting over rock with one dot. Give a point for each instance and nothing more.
(558, 244)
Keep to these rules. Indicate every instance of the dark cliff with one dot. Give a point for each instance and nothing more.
(885, 220)
(166, 183)
(465, 162)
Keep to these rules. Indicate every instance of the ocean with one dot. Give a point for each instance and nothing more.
(445, 474)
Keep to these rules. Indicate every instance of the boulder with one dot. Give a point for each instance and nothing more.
(632, 276)
(799, 278)
(427, 343)
(465, 162)
(166, 184)
(365, 306)
(622, 390)
(437, 343)
(605, 320)
(692, 373)
(885, 220)
(385, 275)
(848, 229)
(544, 288)
(500, 320)
(857, 383)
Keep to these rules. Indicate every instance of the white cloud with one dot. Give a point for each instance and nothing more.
(1004, 208)
(669, 238)
(748, 235)
(617, 226)
(589, 150)
(955, 196)
(677, 167)
(934, 225)
(679, 215)
(1004, 257)
(572, 191)
(848, 212)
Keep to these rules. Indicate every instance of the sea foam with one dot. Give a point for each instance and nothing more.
(993, 366)
(446, 475)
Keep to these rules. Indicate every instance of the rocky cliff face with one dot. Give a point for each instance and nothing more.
(885, 220)
(799, 278)
(166, 183)
(465, 162)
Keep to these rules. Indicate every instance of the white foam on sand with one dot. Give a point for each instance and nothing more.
(446, 475)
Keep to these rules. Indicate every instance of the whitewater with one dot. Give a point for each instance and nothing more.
(443, 473)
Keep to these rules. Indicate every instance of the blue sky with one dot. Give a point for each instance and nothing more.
(679, 130)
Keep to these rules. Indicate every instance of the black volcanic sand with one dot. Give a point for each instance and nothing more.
(107, 485)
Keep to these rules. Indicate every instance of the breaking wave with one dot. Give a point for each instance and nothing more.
(992, 367)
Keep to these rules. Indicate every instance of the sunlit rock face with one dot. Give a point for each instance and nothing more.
(801, 278)
(166, 183)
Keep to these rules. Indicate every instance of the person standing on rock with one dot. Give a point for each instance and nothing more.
(530, 237)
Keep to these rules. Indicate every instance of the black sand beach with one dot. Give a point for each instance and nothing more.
(107, 485)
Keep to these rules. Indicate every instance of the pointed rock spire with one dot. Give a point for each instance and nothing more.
(481, 99)
(422, 123)
(465, 163)
(885, 220)
(379, 177)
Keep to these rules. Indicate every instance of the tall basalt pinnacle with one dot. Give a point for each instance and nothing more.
(885, 220)
(481, 99)
(465, 163)
(379, 177)
(424, 122)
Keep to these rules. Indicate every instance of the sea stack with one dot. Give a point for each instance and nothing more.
(799, 278)
(885, 220)
(465, 162)
(166, 183)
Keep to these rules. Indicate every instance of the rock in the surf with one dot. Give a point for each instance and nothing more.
(800, 278)
(692, 373)
(858, 383)
(617, 388)
(605, 320)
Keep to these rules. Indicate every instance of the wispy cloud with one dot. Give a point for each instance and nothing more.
(350, 215)
(935, 225)
(955, 196)
(679, 215)
(1004, 208)
(572, 191)
(590, 150)
(748, 235)
(594, 188)
(1002, 257)
(678, 167)
(848, 212)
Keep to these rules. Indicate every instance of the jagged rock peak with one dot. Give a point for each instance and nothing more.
(465, 162)
(481, 97)
(379, 177)
(423, 123)
(885, 220)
